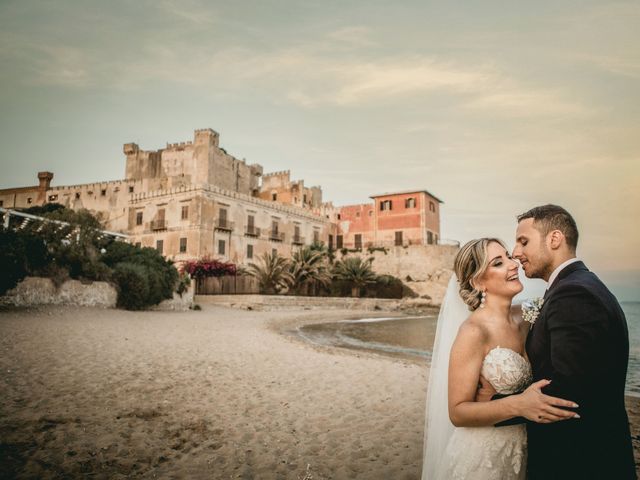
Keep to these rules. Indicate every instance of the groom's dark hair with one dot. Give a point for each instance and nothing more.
(552, 217)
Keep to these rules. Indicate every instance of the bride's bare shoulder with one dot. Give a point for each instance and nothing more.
(472, 329)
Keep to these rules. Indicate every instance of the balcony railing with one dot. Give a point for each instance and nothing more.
(223, 224)
(158, 225)
(298, 240)
(252, 231)
(276, 236)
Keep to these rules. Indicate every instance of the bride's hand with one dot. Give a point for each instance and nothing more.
(538, 407)
(485, 390)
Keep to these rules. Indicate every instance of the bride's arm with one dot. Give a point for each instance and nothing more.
(465, 363)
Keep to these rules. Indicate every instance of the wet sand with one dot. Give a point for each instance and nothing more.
(217, 393)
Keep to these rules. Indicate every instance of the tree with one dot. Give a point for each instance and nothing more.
(356, 271)
(272, 273)
(21, 254)
(309, 268)
(74, 247)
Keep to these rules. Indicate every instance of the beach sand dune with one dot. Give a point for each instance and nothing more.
(214, 394)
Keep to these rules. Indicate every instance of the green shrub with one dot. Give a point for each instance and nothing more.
(159, 274)
(133, 286)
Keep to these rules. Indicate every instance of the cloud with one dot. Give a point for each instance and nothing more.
(190, 11)
(355, 36)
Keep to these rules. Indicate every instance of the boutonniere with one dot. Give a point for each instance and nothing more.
(531, 310)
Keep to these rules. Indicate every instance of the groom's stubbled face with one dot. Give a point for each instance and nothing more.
(531, 250)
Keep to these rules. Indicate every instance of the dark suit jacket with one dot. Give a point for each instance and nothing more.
(580, 342)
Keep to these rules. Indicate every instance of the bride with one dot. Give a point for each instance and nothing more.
(461, 441)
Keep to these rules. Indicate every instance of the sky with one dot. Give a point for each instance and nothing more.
(494, 107)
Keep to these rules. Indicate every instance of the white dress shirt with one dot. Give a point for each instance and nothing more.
(559, 268)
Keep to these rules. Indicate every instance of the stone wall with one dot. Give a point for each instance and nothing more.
(425, 269)
(41, 291)
(283, 302)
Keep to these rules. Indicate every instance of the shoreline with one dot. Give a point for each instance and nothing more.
(217, 393)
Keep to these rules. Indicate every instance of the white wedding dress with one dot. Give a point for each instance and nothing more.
(491, 453)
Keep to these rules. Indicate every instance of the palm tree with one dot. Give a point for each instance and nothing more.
(272, 273)
(356, 271)
(309, 268)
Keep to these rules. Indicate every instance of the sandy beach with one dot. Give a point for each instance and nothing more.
(218, 393)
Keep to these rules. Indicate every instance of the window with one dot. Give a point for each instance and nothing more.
(357, 214)
(161, 214)
(370, 213)
(138, 244)
(386, 205)
(29, 200)
(221, 247)
(249, 251)
(1, 203)
(274, 196)
(139, 218)
(159, 246)
(410, 203)
(52, 198)
(103, 192)
(304, 198)
(130, 189)
(183, 245)
(338, 241)
(274, 227)
(436, 239)
(77, 194)
(429, 238)
(251, 222)
(330, 242)
(398, 239)
(316, 236)
(432, 206)
(358, 240)
(223, 217)
(184, 215)
(338, 217)
(296, 231)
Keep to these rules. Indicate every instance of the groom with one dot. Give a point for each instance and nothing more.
(580, 342)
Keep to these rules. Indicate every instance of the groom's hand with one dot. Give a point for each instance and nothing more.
(485, 390)
(538, 407)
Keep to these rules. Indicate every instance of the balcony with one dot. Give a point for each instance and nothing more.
(276, 236)
(158, 225)
(223, 224)
(298, 240)
(251, 231)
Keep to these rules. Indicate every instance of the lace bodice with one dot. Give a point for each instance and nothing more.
(506, 370)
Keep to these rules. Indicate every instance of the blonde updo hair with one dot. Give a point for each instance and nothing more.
(469, 265)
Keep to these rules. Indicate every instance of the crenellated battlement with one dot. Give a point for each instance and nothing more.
(282, 173)
(96, 185)
(210, 131)
(179, 145)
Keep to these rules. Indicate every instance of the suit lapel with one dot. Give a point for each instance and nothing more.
(564, 273)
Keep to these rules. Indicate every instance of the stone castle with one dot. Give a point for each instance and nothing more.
(193, 199)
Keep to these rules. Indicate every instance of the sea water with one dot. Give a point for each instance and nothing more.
(412, 338)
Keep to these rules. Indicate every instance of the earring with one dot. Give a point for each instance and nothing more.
(483, 298)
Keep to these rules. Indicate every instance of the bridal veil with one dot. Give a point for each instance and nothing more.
(438, 428)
